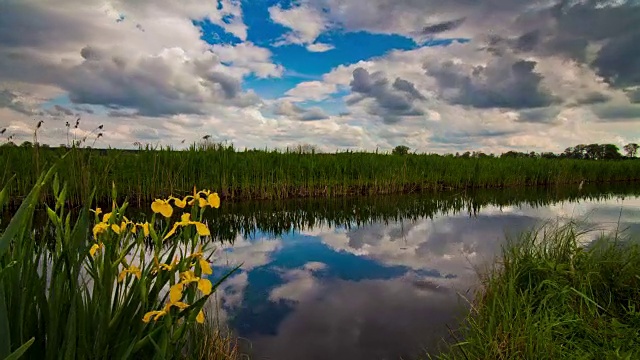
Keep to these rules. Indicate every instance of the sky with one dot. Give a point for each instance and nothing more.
(436, 76)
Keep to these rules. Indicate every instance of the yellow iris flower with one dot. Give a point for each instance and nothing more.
(188, 277)
(95, 248)
(181, 203)
(157, 314)
(106, 217)
(144, 226)
(200, 317)
(134, 270)
(163, 207)
(167, 267)
(204, 264)
(99, 228)
(185, 220)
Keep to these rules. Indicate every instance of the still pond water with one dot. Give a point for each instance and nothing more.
(380, 278)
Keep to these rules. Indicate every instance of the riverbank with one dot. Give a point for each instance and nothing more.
(549, 298)
(147, 174)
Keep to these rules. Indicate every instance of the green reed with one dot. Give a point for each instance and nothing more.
(550, 297)
(147, 173)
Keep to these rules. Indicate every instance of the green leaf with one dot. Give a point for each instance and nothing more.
(25, 211)
(5, 334)
(21, 350)
(4, 194)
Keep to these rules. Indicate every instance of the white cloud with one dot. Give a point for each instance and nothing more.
(248, 58)
(320, 47)
(311, 90)
(306, 24)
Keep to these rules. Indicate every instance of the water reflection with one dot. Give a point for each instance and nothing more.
(379, 277)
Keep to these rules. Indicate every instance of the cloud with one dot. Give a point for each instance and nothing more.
(248, 58)
(503, 82)
(617, 112)
(366, 319)
(319, 47)
(634, 95)
(442, 27)
(251, 254)
(311, 90)
(391, 102)
(293, 111)
(306, 24)
(13, 101)
(165, 70)
(166, 84)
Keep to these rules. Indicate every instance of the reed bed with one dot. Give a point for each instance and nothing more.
(551, 297)
(147, 174)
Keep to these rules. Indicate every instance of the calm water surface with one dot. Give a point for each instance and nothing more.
(379, 278)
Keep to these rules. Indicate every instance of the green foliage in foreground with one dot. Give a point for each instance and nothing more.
(85, 291)
(549, 298)
(147, 174)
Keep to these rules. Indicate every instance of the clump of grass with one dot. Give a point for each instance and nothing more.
(93, 288)
(551, 298)
(212, 341)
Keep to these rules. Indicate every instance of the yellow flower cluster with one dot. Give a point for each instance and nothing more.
(202, 197)
(186, 278)
(194, 263)
(104, 225)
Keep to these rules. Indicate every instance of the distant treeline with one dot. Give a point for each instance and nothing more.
(148, 173)
(585, 152)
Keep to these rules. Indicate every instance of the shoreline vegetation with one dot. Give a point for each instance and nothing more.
(102, 286)
(550, 296)
(149, 173)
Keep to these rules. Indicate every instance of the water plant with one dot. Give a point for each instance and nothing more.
(102, 286)
(550, 296)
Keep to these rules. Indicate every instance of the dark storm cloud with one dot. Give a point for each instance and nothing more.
(619, 60)
(442, 27)
(391, 102)
(528, 41)
(568, 28)
(612, 112)
(594, 98)
(503, 83)
(544, 115)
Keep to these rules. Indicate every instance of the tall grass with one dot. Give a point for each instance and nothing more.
(549, 297)
(93, 288)
(147, 174)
